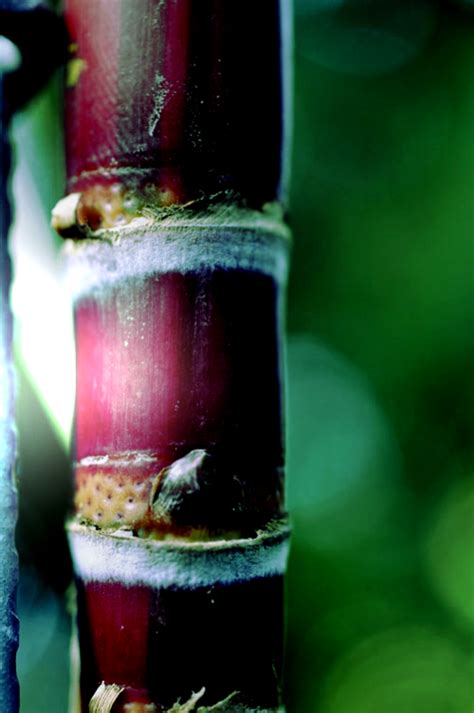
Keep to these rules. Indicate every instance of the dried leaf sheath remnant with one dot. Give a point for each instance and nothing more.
(104, 698)
(177, 260)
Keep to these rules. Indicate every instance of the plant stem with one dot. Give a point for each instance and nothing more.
(177, 263)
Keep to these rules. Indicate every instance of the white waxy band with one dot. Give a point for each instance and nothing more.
(142, 248)
(121, 557)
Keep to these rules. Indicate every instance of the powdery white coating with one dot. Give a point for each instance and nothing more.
(144, 247)
(135, 561)
(127, 459)
(159, 95)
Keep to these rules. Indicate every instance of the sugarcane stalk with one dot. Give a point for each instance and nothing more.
(177, 260)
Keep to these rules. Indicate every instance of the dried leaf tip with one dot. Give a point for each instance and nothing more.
(64, 214)
(190, 705)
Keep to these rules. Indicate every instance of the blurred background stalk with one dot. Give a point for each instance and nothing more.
(9, 60)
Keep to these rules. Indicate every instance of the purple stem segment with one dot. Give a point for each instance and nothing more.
(178, 99)
(177, 362)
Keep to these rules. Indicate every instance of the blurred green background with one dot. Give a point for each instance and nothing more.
(380, 360)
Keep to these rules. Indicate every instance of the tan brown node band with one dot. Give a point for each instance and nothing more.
(111, 500)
